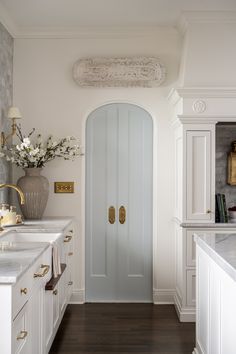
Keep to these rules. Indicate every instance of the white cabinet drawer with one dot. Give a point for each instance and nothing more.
(40, 272)
(190, 249)
(191, 288)
(20, 332)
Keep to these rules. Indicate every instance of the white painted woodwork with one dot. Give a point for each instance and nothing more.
(185, 275)
(22, 323)
(216, 308)
(190, 249)
(119, 173)
(191, 287)
(198, 176)
(179, 173)
(38, 312)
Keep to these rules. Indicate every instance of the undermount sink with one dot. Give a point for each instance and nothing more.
(31, 237)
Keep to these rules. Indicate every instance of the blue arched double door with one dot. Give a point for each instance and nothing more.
(119, 207)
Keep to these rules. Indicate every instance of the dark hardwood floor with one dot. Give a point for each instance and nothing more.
(123, 328)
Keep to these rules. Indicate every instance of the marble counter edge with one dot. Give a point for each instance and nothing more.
(208, 225)
(12, 280)
(219, 260)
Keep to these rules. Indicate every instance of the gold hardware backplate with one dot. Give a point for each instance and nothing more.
(111, 215)
(122, 214)
(63, 187)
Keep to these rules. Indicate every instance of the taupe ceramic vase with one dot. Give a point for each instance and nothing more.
(36, 190)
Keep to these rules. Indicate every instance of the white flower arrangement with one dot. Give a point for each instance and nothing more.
(33, 153)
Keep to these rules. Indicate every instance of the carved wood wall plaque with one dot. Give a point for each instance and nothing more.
(119, 72)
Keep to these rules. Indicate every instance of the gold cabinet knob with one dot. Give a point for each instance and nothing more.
(55, 292)
(70, 282)
(208, 211)
(22, 335)
(24, 291)
(70, 254)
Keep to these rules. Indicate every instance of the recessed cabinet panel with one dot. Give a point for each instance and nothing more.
(191, 248)
(198, 176)
(191, 287)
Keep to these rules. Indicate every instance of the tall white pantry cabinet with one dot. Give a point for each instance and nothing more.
(196, 113)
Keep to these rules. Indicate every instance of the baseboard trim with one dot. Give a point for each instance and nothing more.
(160, 296)
(163, 296)
(77, 297)
(184, 314)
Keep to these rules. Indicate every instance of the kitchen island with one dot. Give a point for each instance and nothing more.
(216, 293)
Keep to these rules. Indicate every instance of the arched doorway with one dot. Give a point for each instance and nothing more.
(119, 190)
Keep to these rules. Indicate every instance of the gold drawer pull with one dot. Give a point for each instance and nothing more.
(70, 254)
(208, 211)
(45, 271)
(111, 215)
(22, 335)
(68, 238)
(23, 291)
(122, 215)
(70, 282)
(71, 231)
(55, 292)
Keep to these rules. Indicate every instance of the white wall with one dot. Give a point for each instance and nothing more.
(51, 102)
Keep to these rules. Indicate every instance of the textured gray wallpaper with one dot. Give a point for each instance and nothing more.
(6, 88)
(225, 134)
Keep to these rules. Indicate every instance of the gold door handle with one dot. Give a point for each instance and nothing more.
(22, 335)
(122, 215)
(68, 238)
(111, 215)
(44, 272)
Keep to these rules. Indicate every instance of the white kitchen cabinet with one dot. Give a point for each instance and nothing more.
(21, 332)
(185, 263)
(216, 308)
(194, 173)
(199, 184)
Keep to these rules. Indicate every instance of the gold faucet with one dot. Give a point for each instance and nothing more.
(22, 197)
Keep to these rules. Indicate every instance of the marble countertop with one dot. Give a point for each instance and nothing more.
(221, 248)
(16, 258)
(47, 224)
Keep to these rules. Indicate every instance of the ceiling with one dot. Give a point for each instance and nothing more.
(67, 14)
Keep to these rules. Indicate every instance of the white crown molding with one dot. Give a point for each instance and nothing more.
(201, 92)
(7, 22)
(91, 32)
(190, 17)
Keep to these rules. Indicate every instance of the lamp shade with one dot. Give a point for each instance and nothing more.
(14, 112)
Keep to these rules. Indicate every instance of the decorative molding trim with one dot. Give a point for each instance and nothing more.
(184, 314)
(205, 119)
(119, 72)
(77, 297)
(201, 92)
(163, 296)
(199, 106)
(189, 17)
